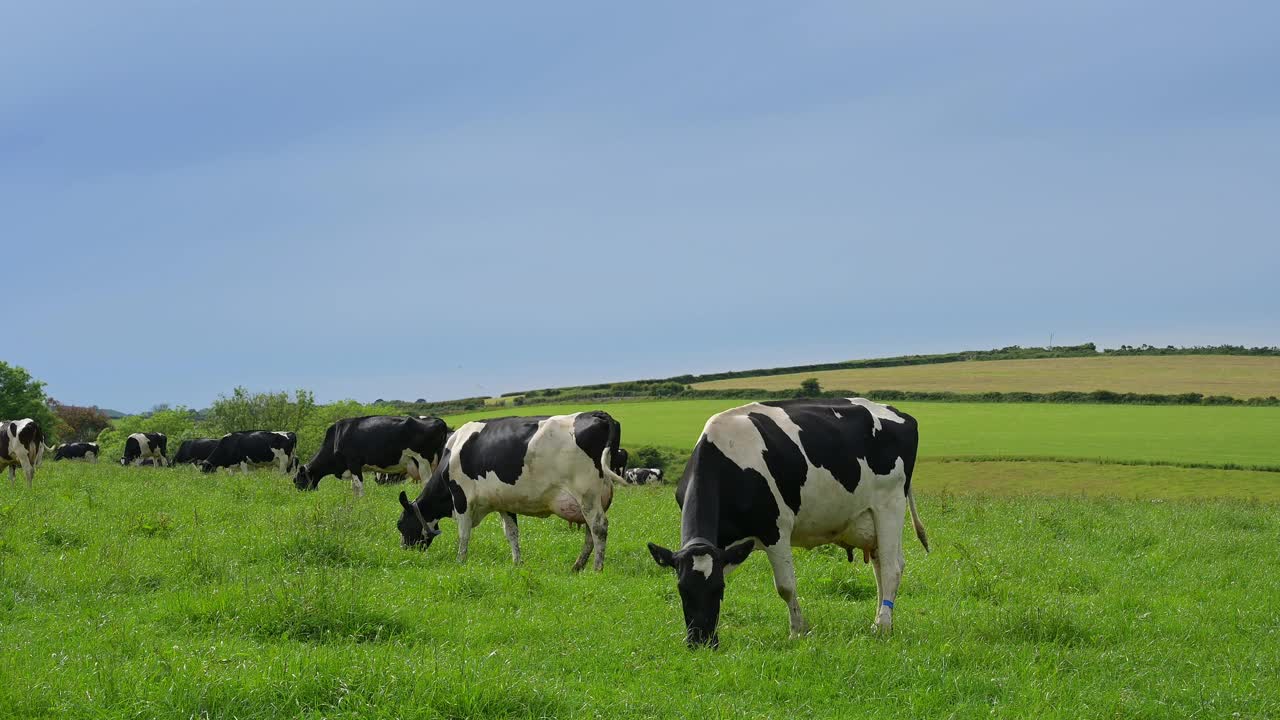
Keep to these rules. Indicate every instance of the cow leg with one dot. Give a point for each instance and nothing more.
(598, 528)
(29, 470)
(784, 581)
(357, 484)
(889, 562)
(413, 469)
(588, 544)
(13, 477)
(464, 535)
(513, 535)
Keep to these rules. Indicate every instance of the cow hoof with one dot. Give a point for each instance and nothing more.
(882, 630)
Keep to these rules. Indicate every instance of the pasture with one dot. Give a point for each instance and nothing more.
(163, 593)
(1245, 436)
(1234, 376)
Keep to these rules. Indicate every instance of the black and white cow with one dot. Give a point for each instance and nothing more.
(194, 451)
(643, 476)
(620, 462)
(793, 473)
(252, 449)
(86, 451)
(381, 443)
(21, 445)
(537, 466)
(141, 446)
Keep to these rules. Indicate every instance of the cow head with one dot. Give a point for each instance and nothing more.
(303, 480)
(416, 529)
(700, 571)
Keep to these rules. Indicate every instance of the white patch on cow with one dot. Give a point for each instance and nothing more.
(703, 564)
(878, 412)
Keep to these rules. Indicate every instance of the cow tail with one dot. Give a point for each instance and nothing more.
(915, 520)
(606, 467)
(611, 444)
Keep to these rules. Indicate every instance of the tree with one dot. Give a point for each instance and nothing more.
(811, 387)
(78, 424)
(261, 411)
(22, 396)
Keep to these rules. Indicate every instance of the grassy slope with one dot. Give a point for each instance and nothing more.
(1236, 376)
(130, 593)
(1190, 434)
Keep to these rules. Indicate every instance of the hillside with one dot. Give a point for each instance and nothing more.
(1238, 376)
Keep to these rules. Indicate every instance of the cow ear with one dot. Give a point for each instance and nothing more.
(404, 500)
(735, 555)
(662, 556)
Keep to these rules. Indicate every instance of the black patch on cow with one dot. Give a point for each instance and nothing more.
(131, 449)
(441, 495)
(785, 461)
(728, 503)
(836, 433)
(194, 450)
(30, 434)
(252, 446)
(500, 447)
(595, 430)
(74, 451)
(372, 441)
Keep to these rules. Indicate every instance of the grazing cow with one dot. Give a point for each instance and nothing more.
(538, 466)
(21, 445)
(252, 448)
(804, 473)
(643, 476)
(86, 451)
(140, 446)
(194, 451)
(381, 443)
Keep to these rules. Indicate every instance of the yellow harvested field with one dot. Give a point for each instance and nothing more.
(1236, 376)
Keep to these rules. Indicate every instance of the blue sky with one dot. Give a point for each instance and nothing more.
(411, 199)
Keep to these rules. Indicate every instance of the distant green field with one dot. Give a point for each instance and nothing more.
(1181, 434)
(1231, 375)
(150, 593)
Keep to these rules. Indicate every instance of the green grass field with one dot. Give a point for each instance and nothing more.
(1184, 434)
(150, 593)
(1234, 376)
(1063, 589)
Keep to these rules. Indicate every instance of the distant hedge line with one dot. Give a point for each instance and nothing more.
(1013, 352)
(1103, 397)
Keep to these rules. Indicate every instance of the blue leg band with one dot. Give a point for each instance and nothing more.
(888, 604)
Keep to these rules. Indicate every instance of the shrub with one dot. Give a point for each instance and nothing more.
(78, 424)
(811, 387)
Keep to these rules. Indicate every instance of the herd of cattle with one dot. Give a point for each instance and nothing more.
(768, 476)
